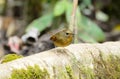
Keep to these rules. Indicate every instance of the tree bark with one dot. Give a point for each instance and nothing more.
(75, 56)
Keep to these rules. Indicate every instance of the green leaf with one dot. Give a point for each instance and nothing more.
(60, 7)
(91, 28)
(87, 38)
(41, 23)
(68, 11)
(87, 2)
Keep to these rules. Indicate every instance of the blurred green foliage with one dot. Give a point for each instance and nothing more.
(41, 23)
(60, 7)
(88, 31)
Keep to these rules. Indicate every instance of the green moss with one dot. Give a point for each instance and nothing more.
(10, 57)
(60, 73)
(69, 72)
(107, 69)
(104, 67)
(86, 73)
(30, 73)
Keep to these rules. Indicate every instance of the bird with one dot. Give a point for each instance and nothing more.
(62, 38)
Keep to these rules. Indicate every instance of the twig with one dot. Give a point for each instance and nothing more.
(73, 26)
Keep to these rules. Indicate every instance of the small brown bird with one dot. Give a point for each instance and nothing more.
(62, 38)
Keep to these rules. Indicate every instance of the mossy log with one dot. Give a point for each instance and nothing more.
(77, 61)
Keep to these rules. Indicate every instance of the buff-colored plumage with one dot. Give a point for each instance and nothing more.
(62, 38)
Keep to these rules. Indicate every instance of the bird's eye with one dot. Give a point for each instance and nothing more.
(67, 33)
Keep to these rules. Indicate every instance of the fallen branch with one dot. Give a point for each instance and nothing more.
(75, 61)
